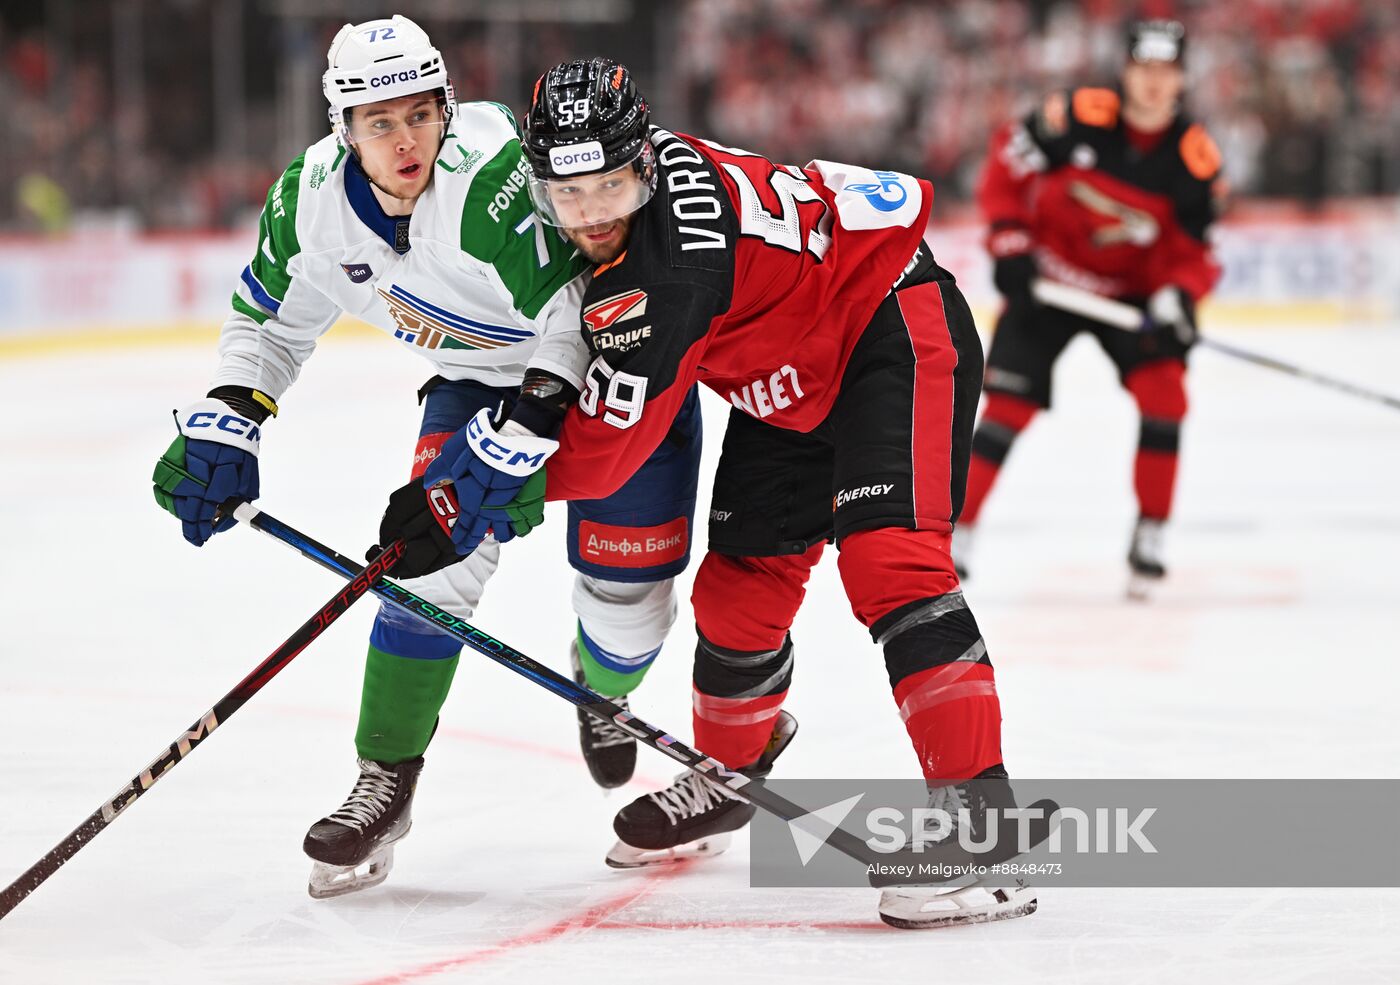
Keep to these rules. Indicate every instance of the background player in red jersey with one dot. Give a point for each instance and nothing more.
(1112, 191)
(807, 298)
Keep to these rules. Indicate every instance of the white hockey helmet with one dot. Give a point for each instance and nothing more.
(382, 59)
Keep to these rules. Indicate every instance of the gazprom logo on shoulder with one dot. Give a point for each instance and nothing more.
(877, 193)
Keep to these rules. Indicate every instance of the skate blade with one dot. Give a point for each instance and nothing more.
(624, 856)
(1142, 587)
(908, 913)
(330, 881)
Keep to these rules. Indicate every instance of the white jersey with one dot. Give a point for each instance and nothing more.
(472, 280)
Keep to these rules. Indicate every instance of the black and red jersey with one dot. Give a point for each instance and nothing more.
(1117, 212)
(752, 277)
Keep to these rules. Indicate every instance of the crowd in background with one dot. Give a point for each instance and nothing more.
(1300, 94)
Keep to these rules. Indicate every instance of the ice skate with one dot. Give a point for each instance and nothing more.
(1145, 558)
(923, 907)
(611, 754)
(353, 848)
(963, 900)
(692, 817)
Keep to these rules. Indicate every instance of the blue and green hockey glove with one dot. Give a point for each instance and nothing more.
(213, 459)
(498, 478)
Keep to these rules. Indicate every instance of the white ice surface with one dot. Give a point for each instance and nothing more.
(1273, 652)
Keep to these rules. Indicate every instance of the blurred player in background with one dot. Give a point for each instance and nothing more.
(1114, 192)
(807, 298)
(413, 216)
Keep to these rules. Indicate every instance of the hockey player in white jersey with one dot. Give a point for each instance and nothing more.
(413, 216)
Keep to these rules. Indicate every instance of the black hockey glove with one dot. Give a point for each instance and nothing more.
(1014, 267)
(1171, 311)
(423, 520)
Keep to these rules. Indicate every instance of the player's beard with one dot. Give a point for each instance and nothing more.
(607, 250)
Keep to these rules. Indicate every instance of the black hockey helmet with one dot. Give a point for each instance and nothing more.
(587, 117)
(1157, 41)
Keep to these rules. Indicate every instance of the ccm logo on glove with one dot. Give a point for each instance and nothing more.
(211, 419)
(512, 461)
(228, 422)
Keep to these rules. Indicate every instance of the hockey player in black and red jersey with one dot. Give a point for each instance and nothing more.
(1113, 191)
(807, 298)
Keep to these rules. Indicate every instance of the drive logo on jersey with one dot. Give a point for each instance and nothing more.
(624, 340)
(608, 312)
(357, 272)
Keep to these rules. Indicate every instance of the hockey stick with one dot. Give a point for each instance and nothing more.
(601, 708)
(1119, 315)
(359, 586)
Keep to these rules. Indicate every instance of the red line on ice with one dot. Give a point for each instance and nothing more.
(584, 920)
(869, 925)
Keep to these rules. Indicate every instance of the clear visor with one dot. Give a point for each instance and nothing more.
(423, 121)
(591, 199)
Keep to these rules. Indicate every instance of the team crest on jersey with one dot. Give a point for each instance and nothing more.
(357, 272)
(1133, 226)
(430, 326)
(602, 317)
(604, 314)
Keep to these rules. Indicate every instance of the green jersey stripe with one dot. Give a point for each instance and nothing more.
(277, 233)
(499, 226)
(251, 310)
